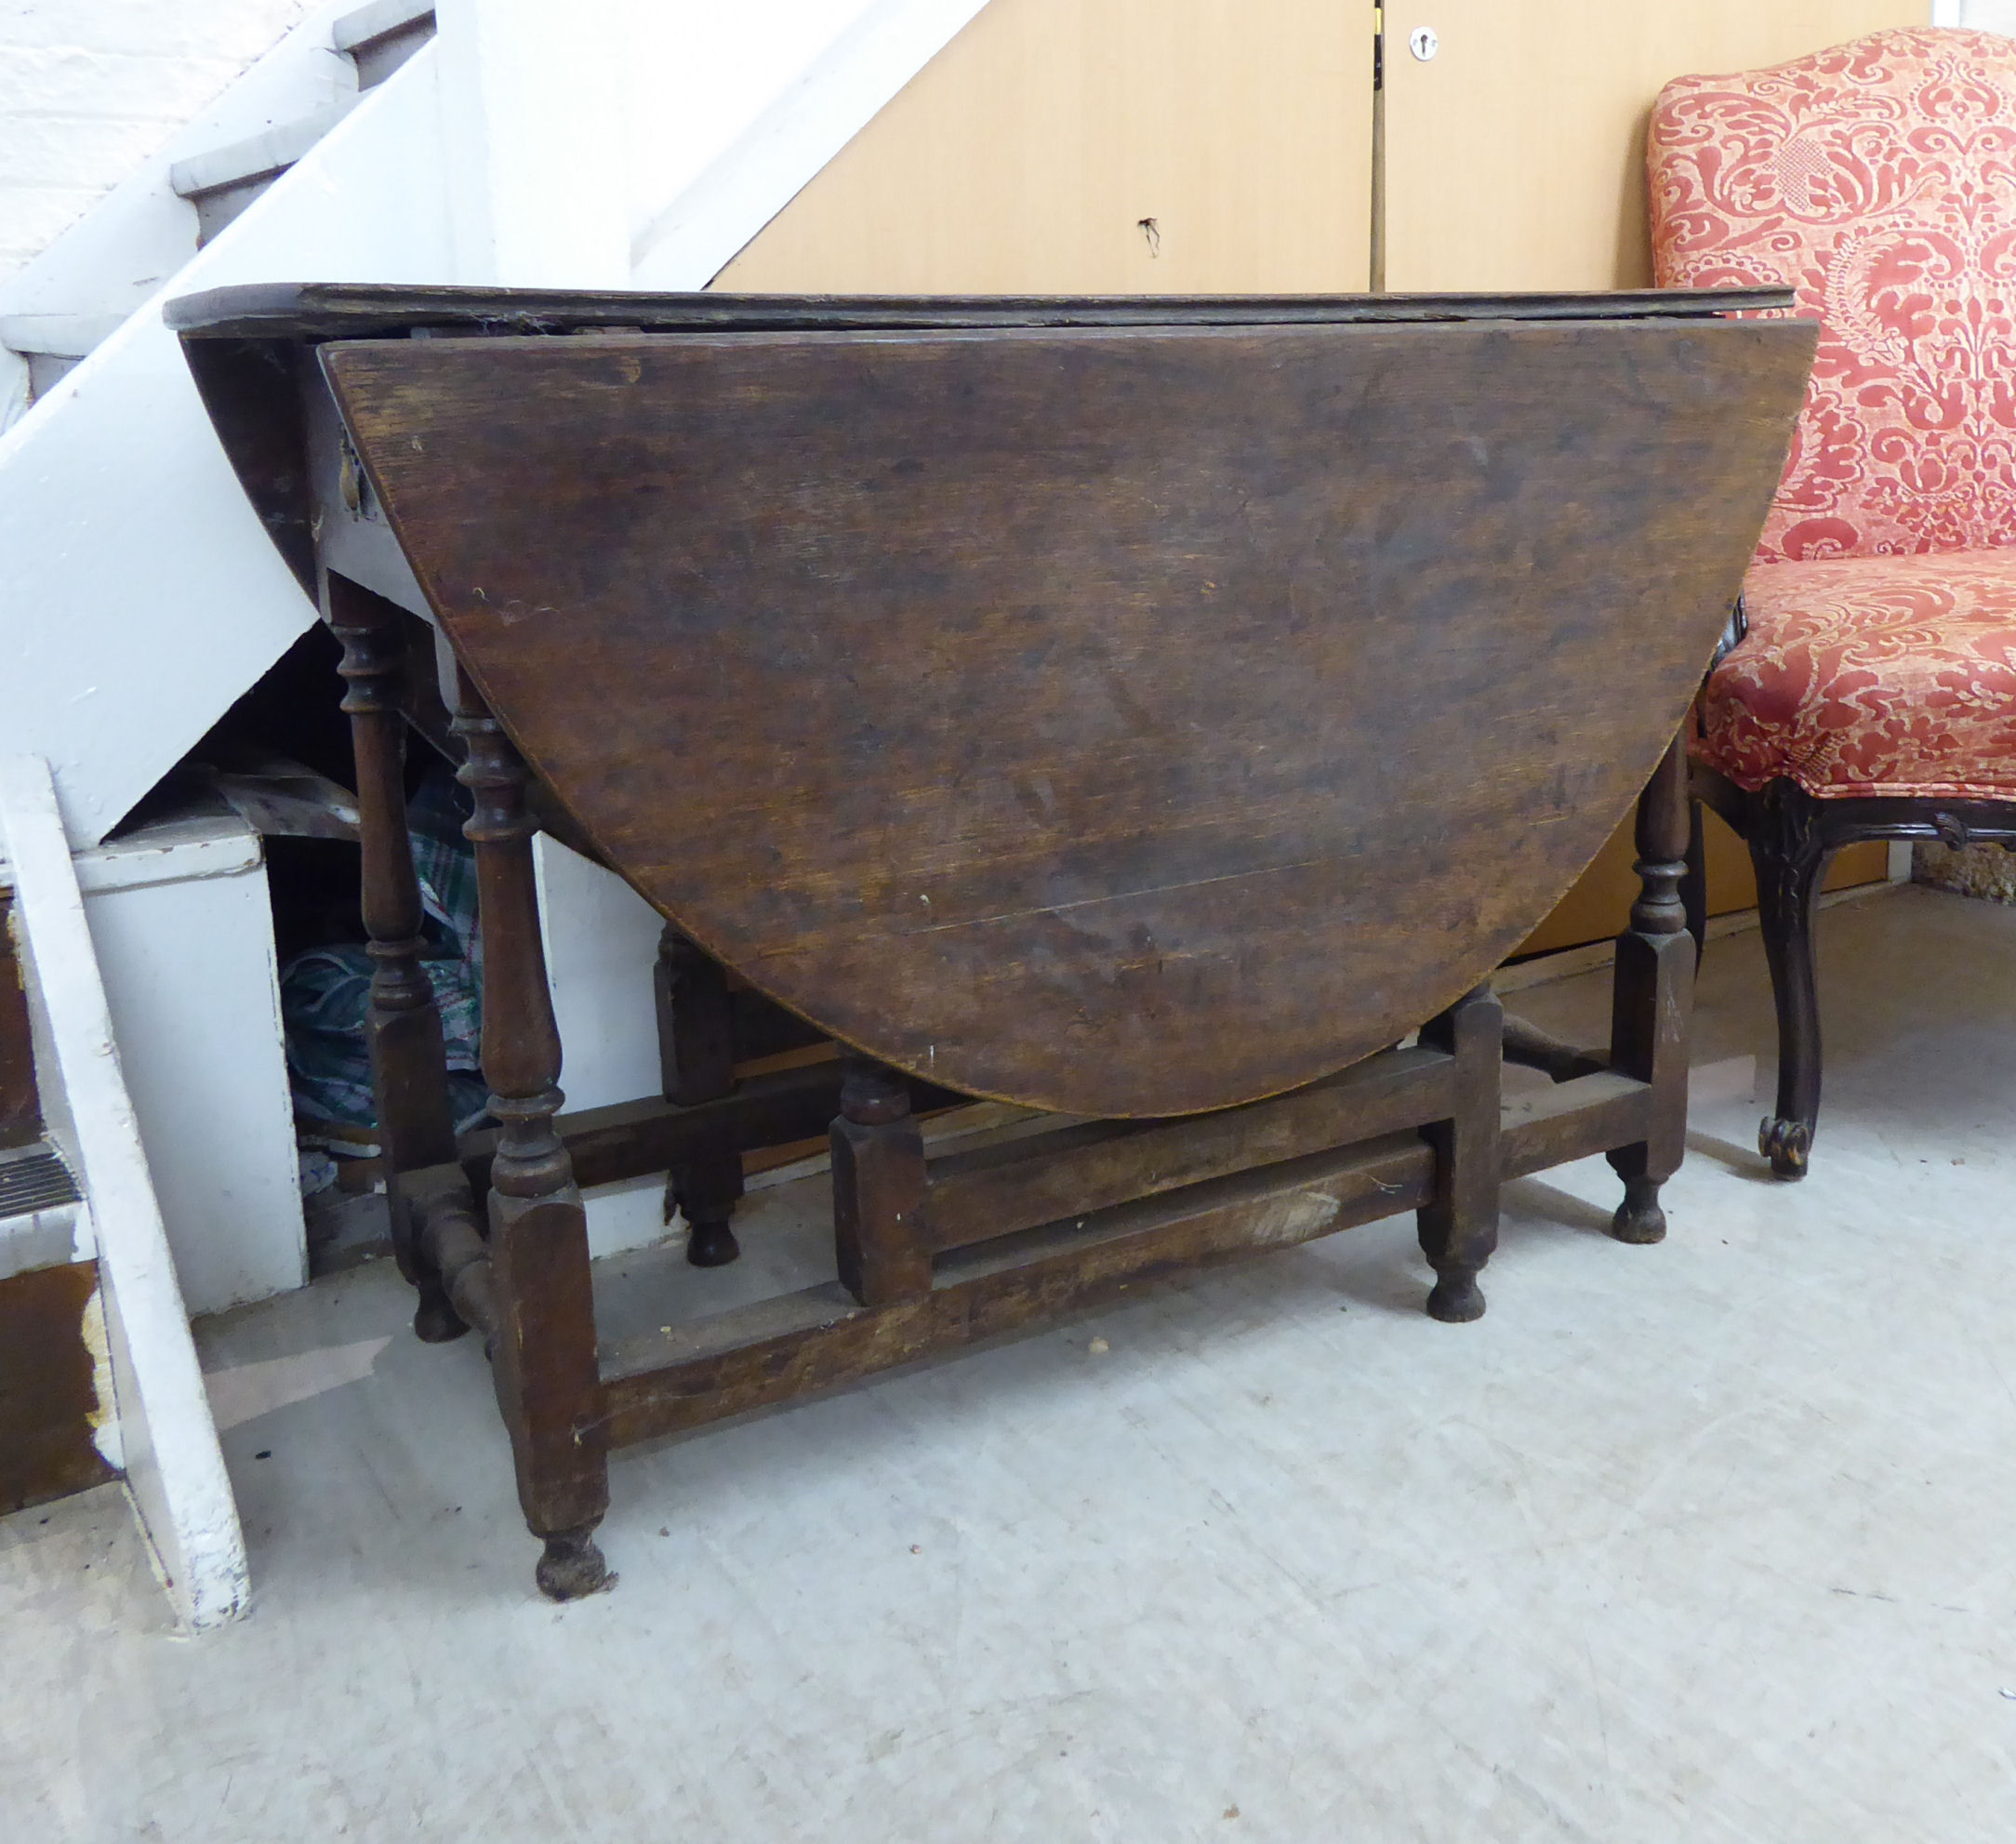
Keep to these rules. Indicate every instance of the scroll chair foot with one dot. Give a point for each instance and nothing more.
(1786, 1144)
(572, 1566)
(1790, 858)
(1456, 1299)
(711, 1242)
(1640, 1218)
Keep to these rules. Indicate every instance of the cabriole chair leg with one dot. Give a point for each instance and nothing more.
(1790, 861)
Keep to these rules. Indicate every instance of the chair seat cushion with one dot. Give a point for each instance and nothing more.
(1877, 675)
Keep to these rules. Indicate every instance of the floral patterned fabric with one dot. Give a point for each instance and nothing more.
(1878, 181)
(1882, 675)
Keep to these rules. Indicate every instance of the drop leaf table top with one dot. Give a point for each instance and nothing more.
(1122, 709)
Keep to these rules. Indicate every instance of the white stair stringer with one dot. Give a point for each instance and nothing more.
(141, 595)
(167, 1441)
(140, 233)
(746, 104)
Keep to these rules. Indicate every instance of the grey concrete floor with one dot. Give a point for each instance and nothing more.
(1706, 1541)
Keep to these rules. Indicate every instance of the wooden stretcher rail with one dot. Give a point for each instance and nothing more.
(779, 1349)
(995, 1191)
(1571, 1120)
(634, 1139)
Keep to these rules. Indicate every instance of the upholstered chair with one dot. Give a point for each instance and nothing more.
(1872, 692)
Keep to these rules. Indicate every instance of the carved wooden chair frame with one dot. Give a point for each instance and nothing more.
(1793, 837)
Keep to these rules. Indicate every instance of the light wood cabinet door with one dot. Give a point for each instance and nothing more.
(1515, 158)
(1103, 146)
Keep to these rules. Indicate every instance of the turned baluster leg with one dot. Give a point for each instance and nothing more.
(879, 1185)
(1651, 996)
(1458, 1228)
(409, 1069)
(697, 1058)
(543, 1346)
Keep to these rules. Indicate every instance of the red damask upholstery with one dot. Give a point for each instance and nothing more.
(1879, 675)
(1879, 180)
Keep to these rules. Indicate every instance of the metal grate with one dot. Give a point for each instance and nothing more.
(32, 1181)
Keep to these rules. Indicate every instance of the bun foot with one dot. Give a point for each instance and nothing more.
(710, 1243)
(572, 1566)
(435, 1320)
(1456, 1299)
(1786, 1144)
(1640, 1218)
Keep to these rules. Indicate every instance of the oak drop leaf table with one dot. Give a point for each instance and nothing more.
(1160, 713)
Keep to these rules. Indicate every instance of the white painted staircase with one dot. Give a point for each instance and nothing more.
(572, 144)
(65, 304)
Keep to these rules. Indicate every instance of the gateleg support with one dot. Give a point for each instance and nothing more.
(542, 1344)
(409, 1066)
(1459, 1228)
(879, 1187)
(1651, 1000)
(696, 1063)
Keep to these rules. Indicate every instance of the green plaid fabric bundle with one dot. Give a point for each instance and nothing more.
(325, 993)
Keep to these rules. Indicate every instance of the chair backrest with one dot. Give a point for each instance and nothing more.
(1878, 178)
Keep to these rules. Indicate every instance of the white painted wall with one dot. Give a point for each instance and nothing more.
(89, 88)
(182, 932)
(531, 100)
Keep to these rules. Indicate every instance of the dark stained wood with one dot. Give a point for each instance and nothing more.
(403, 1028)
(761, 1027)
(1792, 838)
(318, 311)
(48, 1397)
(1571, 1120)
(1458, 1226)
(697, 1058)
(696, 1022)
(1529, 1046)
(21, 1110)
(252, 389)
(705, 1188)
(999, 1190)
(780, 1349)
(880, 1233)
(635, 1139)
(448, 1229)
(1652, 998)
(1212, 781)
(542, 1350)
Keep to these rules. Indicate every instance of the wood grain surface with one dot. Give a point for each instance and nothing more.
(1121, 723)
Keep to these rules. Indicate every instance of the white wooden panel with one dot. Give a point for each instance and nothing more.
(531, 104)
(185, 945)
(732, 109)
(174, 1469)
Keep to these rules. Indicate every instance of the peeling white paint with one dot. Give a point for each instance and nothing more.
(173, 1466)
